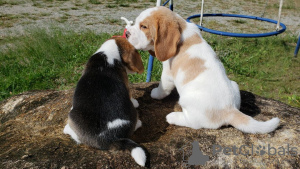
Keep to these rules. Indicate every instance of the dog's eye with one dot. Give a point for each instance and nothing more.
(143, 26)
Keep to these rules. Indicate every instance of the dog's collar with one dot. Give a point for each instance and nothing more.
(128, 24)
(123, 36)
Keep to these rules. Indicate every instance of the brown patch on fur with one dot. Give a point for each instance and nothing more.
(163, 32)
(187, 43)
(130, 56)
(231, 116)
(192, 67)
(239, 118)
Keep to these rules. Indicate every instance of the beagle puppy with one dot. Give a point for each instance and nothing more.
(207, 97)
(103, 113)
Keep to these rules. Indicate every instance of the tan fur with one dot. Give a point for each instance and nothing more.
(163, 32)
(239, 118)
(130, 56)
(72, 126)
(192, 67)
(230, 115)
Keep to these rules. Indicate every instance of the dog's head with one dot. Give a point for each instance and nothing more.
(157, 30)
(130, 57)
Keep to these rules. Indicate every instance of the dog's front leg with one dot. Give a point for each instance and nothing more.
(166, 84)
(134, 102)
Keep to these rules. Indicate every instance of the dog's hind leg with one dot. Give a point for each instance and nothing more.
(237, 95)
(179, 118)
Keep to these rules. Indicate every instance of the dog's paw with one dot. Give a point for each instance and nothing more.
(135, 102)
(172, 118)
(138, 124)
(157, 94)
(177, 118)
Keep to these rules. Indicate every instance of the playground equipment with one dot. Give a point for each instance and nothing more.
(278, 31)
(297, 47)
(246, 35)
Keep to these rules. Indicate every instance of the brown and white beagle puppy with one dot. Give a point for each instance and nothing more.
(207, 97)
(103, 113)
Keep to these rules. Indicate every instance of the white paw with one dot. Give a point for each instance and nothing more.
(138, 124)
(172, 118)
(68, 130)
(156, 94)
(135, 102)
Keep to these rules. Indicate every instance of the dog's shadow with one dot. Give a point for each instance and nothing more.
(153, 112)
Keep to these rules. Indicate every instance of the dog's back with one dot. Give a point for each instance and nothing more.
(100, 97)
(103, 115)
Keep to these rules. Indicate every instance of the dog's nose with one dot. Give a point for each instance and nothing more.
(127, 34)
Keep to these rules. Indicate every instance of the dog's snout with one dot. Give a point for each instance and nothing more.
(127, 34)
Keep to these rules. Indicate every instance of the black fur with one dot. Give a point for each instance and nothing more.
(101, 96)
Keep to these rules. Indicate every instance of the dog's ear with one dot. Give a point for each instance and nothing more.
(167, 37)
(151, 53)
(133, 61)
(129, 55)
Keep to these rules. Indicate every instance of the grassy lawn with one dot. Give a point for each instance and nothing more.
(54, 59)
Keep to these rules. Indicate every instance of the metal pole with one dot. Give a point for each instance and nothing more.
(151, 58)
(201, 16)
(297, 47)
(171, 5)
(158, 2)
(279, 14)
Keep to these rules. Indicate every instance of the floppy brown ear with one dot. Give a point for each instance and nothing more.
(152, 53)
(133, 61)
(166, 38)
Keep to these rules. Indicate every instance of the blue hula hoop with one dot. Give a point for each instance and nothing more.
(239, 34)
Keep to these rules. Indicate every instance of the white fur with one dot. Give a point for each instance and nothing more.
(139, 156)
(110, 49)
(117, 123)
(134, 102)
(190, 30)
(210, 90)
(68, 130)
(138, 124)
(260, 127)
(137, 38)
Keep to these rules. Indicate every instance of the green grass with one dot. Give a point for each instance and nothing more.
(95, 2)
(55, 59)
(264, 66)
(49, 60)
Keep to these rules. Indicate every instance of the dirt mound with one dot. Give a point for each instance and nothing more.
(32, 123)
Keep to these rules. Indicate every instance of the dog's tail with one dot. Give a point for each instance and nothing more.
(247, 124)
(138, 152)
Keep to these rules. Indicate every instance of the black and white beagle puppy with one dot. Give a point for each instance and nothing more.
(103, 113)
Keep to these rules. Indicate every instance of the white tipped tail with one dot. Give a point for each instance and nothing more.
(139, 155)
(247, 124)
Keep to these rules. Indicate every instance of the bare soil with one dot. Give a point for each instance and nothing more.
(19, 15)
(32, 123)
